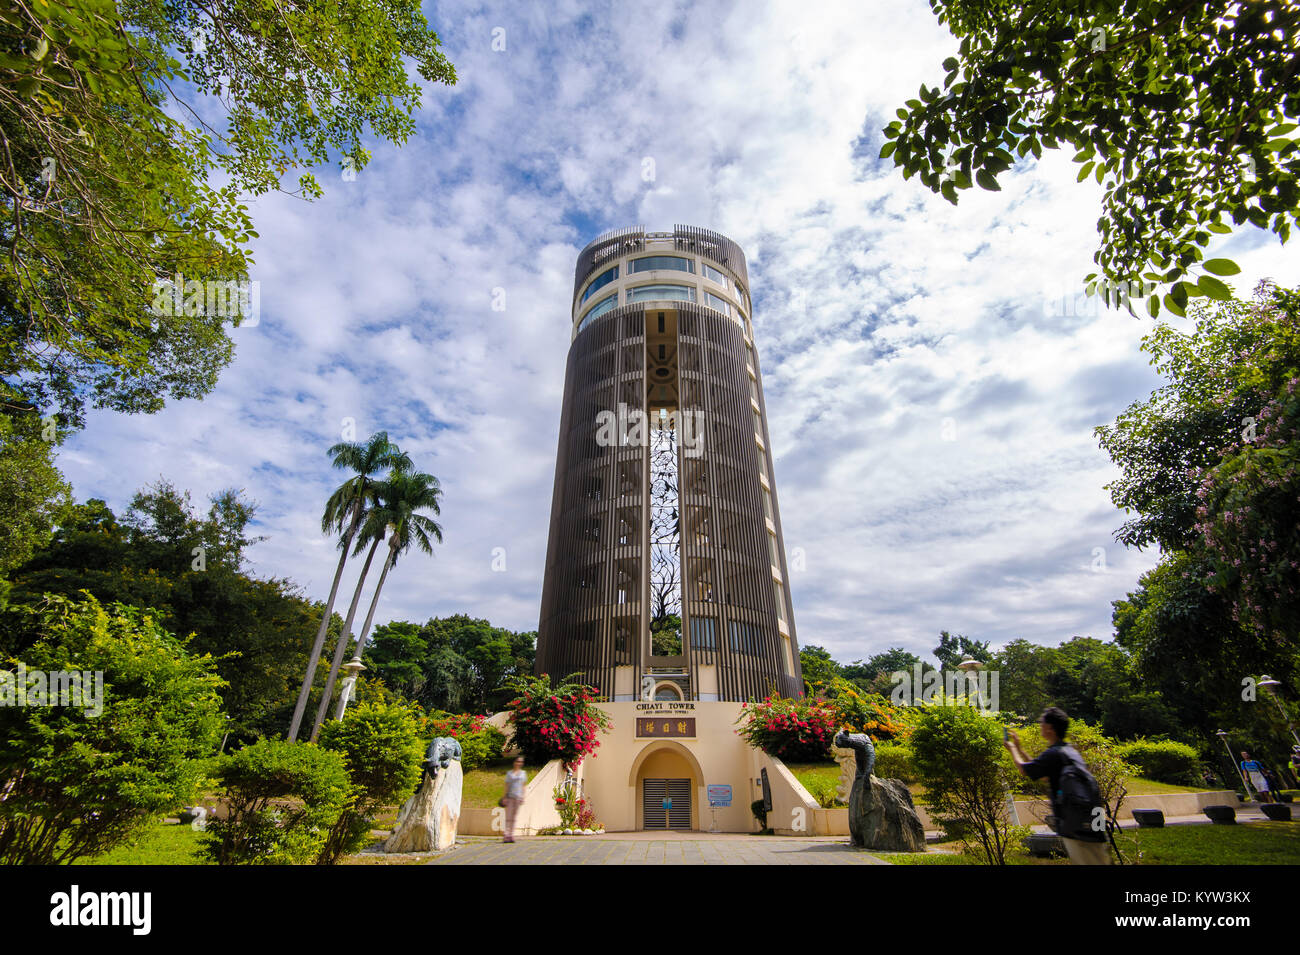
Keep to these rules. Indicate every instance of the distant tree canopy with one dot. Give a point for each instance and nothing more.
(456, 664)
(186, 566)
(952, 650)
(1093, 680)
(1185, 112)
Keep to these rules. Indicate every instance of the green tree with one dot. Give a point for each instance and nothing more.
(953, 649)
(455, 664)
(1187, 647)
(396, 655)
(32, 491)
(77, 782)
(114, 180)
(875, 675)
(345, 512)
(1219, 376)
(1186, 114)
(1208, 465)
(1023, 670)
(252, 627)
(817, 665)
(958, 755)
(1095, 682)
(666, 635)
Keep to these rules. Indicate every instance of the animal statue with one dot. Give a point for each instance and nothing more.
(440, 753)
(864, 751)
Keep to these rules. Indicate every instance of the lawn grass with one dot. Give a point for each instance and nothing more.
(1250, 843)
(809, 772)
(484, 786)
(160, 844)
(1149, 787)
(953, 857)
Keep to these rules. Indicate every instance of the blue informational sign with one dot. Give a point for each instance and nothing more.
(719, 796)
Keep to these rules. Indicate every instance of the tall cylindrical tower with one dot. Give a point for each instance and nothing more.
(665, 570)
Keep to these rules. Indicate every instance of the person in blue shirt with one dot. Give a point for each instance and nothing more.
(1255, 770)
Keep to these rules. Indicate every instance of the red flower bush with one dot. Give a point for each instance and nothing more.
(792, 730)
(555, 723)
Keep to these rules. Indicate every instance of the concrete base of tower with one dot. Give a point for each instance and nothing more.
(680, 765)
(673, 765)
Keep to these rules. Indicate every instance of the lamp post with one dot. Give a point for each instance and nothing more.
(1271, 685)
(971, 668)
(352, 669)
(1240, 772)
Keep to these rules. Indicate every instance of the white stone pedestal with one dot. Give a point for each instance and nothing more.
(429, 821)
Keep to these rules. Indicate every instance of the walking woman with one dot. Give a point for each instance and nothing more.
(516, 780)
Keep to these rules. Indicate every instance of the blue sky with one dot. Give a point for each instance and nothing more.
(931, 398)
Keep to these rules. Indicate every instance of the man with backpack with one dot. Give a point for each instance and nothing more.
(1079, 814)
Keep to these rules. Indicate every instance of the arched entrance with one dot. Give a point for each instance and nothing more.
(666, 779)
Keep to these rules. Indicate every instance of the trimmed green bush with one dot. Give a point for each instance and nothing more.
(381, 746)
(76, 782)
(959, 756)
(1163, 760)
(479, 749)
(284, 798)
(894, 761)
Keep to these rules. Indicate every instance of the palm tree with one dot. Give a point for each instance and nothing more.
(396, 516)
(345, 512)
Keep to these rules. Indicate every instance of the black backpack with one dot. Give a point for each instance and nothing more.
(1077, 801)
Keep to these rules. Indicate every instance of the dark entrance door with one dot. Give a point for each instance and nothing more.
(666, 804)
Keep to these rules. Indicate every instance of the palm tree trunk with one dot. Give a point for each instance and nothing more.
(341, 647)
(374, 601)
(300, 708)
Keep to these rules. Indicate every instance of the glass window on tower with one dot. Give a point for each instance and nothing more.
(682, 293)
(599, 282)
(599, 309)
(674, 262)
(711, 273)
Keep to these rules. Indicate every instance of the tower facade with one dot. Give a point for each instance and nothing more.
(665, 570)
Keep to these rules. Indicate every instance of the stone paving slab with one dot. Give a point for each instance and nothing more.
(636, 849)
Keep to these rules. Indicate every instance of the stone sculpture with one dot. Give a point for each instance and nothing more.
(430, 818)
(881, 813)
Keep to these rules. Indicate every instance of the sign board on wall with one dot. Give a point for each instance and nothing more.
(719, 795)
(665, 727)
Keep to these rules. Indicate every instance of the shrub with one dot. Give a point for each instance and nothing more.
(894, 761)
(1163, 760)
(863, 712)
(284, 798)
(381, 748)
(796, 731)
(76, 784)
(555, 723)
(959, 756)
(479, 749)
(479, 743)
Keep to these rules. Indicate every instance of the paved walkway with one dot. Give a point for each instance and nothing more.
(634, 848)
